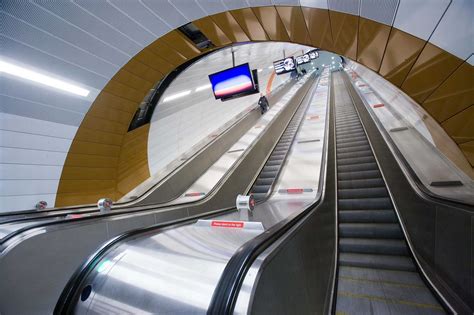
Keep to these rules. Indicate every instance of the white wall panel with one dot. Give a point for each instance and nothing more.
(118, 20)
(14, 139)
(30, 187)
(142, 16)
(14, 203)
(320, 4)
(71, 14)
(52, 45)
(235, 4)
(30, 172)
(455, 32)
(345, 6)
(211, 6)
(36, 126)
(419, 17)
(32, 154)
(382, 11)
(285, 2)
(179, 126)
(32, 157)
(259, 3)
(167, 12)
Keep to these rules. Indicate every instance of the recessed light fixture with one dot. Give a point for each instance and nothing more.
(259, 70)
(202, 87)
(270, 67)
(175, 96)
(41, 78)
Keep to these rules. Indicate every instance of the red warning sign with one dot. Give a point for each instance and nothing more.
(228, 224)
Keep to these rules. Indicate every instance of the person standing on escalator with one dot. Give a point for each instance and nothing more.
(263, 103)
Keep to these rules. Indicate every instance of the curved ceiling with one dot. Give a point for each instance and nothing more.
(119, 49)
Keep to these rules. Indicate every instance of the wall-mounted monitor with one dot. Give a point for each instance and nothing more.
(233, 82)
(284, 65)
(313, 54)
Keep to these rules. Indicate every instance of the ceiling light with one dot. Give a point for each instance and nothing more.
(175, 96)
(203, 87)
(259, 70)
(271, 67)
(41, 78)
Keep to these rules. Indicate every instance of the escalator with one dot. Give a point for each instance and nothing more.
(267, 177)
(198, 249)
(376, 270)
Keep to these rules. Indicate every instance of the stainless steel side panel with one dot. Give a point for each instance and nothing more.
(48, 257)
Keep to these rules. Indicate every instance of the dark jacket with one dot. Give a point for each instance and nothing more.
(263, 102)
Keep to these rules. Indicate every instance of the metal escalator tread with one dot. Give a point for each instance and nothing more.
(373, 246)
(377, 261)
(370, 235)
(270, 170)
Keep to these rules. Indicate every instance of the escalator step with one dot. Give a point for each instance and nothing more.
(353, 144)
(389, 262)
(365, 204)
(353, 193)
(360, 183)
(358, 175)
(264, 181)
(348, 124)
(273, 162)
(261, 188)
(270, 168)
(259, 196)
(365, 147)
(353, 155)
(356, 160)
(350, 139)
(357, 167)
(268, 174)
(367, 216)
(349, 118)
(373, 246)
(352, 129)
(370, 230)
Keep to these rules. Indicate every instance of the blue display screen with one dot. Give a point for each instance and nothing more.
(232, 81)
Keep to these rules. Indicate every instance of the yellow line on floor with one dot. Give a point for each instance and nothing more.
(377, 298)
(394, 283)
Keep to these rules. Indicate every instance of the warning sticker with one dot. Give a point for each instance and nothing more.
(228, 224)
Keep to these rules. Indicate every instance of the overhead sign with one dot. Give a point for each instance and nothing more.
(313, 54)
(302, 59)
(284, 65)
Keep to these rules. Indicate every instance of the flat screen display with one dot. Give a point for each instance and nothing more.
(231, 82)
(284, 65)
